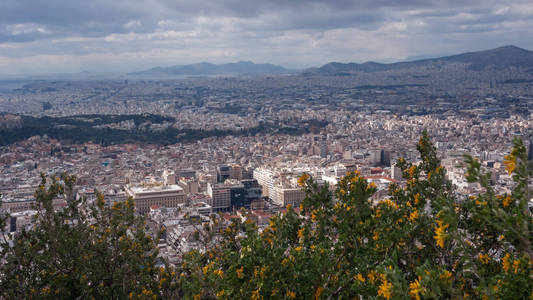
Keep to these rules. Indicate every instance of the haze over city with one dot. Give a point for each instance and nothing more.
(125, 36)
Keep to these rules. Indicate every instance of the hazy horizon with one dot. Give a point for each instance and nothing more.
(100, 36)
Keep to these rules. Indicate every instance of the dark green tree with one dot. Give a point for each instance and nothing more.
(81, 251)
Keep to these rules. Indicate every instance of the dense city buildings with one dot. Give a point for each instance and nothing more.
(184, 149)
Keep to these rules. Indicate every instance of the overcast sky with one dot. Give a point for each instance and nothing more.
(43, 36)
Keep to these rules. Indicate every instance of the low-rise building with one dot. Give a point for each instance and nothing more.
(163, 195)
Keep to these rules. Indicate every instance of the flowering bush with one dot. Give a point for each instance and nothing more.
(421, 242)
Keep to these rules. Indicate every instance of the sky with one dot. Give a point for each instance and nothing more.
(58, 36)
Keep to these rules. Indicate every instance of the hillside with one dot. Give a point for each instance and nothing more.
(500, 58)
(204, 68)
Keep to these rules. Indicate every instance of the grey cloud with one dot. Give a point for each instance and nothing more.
(96, 18)
(308, 29)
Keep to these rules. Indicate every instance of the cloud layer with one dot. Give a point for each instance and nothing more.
(127, 35)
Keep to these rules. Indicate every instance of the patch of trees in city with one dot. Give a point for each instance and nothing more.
(81, 129)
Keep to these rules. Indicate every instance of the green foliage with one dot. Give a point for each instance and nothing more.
(98, 252)
(80, 129)
(420, 242)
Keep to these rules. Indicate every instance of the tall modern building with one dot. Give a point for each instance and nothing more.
(253, 189)
(228, 196)
(323, 148)
(379, 157)
(220, 197)
(223, 173)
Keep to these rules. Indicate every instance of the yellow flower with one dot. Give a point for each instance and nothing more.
(411, 171)
(239, 272)
(303, 179)
(371, 277)
(390, 203)
(510, 163)
(298, 249)
(116, 206)
(505, 262)
(162, 281)
(371, 185)
(289, 207)
(197, 297)
(313, 216)
(385, 289)
(271, 223)
(417, 197)
(284, 261)
(218, 272)
(291, 294)
(375, 236)
(516, 265)
(359, 277)
(342, 192)
(506, 201)
(301, 232)
(220, 293)
(484, 258)
(446, 275)
(146, 292)
(413, 216)
(440, 233)
(318, 292)
(255, 295)
(480, 202)
(415, 288)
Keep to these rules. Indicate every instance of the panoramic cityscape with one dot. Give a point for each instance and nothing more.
(405, 174)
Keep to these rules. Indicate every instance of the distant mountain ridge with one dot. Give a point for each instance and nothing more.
(499, 58)
(204, 68)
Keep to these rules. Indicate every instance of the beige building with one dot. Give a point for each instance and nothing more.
(190, 186)
(23, 205)
(161, 195)
(284, 196)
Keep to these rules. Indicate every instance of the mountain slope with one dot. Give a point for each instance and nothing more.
(499, 58)
(239, 68)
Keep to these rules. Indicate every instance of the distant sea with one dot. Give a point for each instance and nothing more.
(9, 85)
